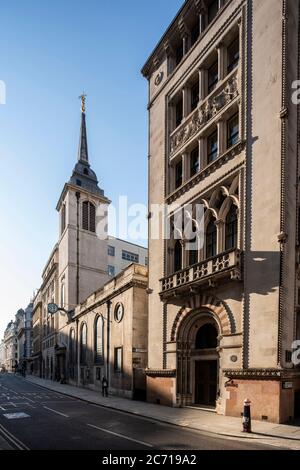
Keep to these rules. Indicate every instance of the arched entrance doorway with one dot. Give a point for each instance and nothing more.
(198, 360)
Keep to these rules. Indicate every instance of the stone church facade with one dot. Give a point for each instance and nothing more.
(224, 134)
(85, 265)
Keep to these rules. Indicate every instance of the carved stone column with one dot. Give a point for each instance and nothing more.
(202, 84)
(185, 167)
(222, 61)
(221, 136)
(186, 98)
(220, 235)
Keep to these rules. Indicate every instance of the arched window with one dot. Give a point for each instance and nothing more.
(88, 216)
(99, 340)
(63, 218)
(177, 256)
(83, 344)
(211, 239)
(231, 228)
(206, 337)
(72, 347)
(62, 295)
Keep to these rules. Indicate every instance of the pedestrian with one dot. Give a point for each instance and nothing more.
(16, 366)
(104, 387)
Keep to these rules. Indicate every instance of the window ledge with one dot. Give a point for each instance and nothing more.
(212, 167)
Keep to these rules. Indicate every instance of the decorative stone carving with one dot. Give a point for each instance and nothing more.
(202, 115)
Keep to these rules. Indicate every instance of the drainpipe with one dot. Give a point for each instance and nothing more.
(77, 352)
(108, 304)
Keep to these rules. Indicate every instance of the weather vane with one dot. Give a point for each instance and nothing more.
(83, 99)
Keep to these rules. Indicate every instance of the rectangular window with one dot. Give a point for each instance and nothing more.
(111, 251)
(213, 77)
(212, 10)
(195, 33)
(233, 55)
(118, 359)
(146, 261)
(128, 256)
(195, 95)
(212, 147)
(194, 161)
(232, 131)
(179, 112)
(111, 271)
(179, 53)
(298, 326)
(178, 175)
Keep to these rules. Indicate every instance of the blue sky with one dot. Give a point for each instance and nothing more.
(50, 52)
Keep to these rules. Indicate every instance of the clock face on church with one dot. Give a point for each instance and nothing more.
(119, 312)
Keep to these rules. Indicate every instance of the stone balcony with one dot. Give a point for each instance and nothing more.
(219, 269)
(225, 94)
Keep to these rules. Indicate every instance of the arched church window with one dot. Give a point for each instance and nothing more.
(72, 347)
(88, 216)
(83, 344)
(63, 218)
(178, 256)
(211, 239)
(206, 337)
(99, 340)
(231, 228)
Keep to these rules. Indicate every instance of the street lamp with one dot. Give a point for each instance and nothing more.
(54, 308)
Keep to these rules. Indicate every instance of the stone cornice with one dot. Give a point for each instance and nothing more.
(159, 50)
(255, 374)
(160, 372)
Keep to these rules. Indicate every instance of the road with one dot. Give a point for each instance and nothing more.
(50, 420)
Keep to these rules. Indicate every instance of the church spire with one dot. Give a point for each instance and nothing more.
(83, 156)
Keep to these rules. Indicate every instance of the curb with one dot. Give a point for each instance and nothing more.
(252, 436)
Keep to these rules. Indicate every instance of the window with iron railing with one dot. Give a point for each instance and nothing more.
(233, 130)
(213, 76)
(178, 175)
(212, 147)
(195, 95)
(194, 161)
(233, 55)
(211, 239)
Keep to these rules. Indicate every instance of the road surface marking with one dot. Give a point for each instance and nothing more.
(57, 412)
(11, 438)
(16, 415)
(120, 435)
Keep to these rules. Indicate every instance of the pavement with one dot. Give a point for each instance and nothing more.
(38, 415)
(277, 435)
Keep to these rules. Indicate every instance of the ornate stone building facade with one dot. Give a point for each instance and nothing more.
(224, 133)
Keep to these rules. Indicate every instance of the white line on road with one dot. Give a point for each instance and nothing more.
(57, 412)
(13, 439)
(120, 435)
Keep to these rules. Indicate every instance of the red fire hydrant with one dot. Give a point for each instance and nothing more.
(247, 416)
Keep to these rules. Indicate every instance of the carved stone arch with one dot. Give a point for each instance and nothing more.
(207, 216)
(225, 208)
(210, 303)
(234, 185)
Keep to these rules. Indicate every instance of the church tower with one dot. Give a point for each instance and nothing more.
(82, 249)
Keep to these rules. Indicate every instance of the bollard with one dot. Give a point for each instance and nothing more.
(247, 416)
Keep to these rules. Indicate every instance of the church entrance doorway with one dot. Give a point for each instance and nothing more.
(198, 360)
(206, 375)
